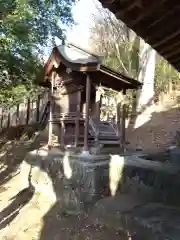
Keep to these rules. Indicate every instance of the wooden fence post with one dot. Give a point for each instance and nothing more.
(28, 111)
(9, 118)
(17, 115)
(38, 108)
(2, 118)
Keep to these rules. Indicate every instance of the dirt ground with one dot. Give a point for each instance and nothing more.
(32, 216)
(27, 214)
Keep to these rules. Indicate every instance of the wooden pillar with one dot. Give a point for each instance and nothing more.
(62, 132)
(98, 106)
(17, 115)
(2, 117)
(77, 119)
(86, 128)
(9, 118)
(50, 111)
(38, 108)
(123, 123)
(118, 121)
(28, 111)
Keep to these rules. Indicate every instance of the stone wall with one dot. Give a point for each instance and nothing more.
(79, 180)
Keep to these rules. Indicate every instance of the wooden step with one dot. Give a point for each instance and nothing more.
(109, 142)
(107, 134)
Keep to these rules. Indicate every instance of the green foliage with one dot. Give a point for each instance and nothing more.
(26, 28)
(167, 78)
(18, 94)
(118, 44)
(120, 48)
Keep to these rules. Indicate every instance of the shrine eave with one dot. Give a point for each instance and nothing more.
(80, 60)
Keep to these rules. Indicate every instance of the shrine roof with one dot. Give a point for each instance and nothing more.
(78, 59)
(76, 55)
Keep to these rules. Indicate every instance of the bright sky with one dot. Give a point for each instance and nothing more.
(83, 12)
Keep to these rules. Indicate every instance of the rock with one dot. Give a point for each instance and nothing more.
(175, 156)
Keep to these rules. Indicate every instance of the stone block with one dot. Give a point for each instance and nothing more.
(84, 179)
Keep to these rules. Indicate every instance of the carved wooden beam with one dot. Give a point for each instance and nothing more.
(172, 53)
(163, 28)
(107, 2)
(147, 11)
(160, 18)
(177, 66)
(174, 61)
(164, 15)
(174, 57)
(128, 6)
(167, 38)
(169, 47)
(119, 8)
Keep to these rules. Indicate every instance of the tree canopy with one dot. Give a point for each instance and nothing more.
(117, 43)
(121, 47)
(26, 28)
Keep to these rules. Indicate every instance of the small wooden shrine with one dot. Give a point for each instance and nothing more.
(75, 78)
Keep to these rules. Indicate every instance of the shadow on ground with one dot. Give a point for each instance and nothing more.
(80, 227)
(12, 210)
(14, 151)
(17, 203)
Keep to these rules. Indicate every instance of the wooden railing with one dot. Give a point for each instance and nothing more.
(68, 116)
(72, 117)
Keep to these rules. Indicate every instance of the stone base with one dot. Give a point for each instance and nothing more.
(175, 156)
(79, 180)
(76, 180)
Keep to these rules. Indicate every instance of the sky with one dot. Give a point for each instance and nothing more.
(82, 12)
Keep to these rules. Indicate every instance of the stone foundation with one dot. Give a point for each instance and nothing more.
(78, 181)
(84, 179)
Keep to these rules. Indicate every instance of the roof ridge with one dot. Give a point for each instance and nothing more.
(84, 50)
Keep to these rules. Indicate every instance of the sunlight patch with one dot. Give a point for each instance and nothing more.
(116, 167)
